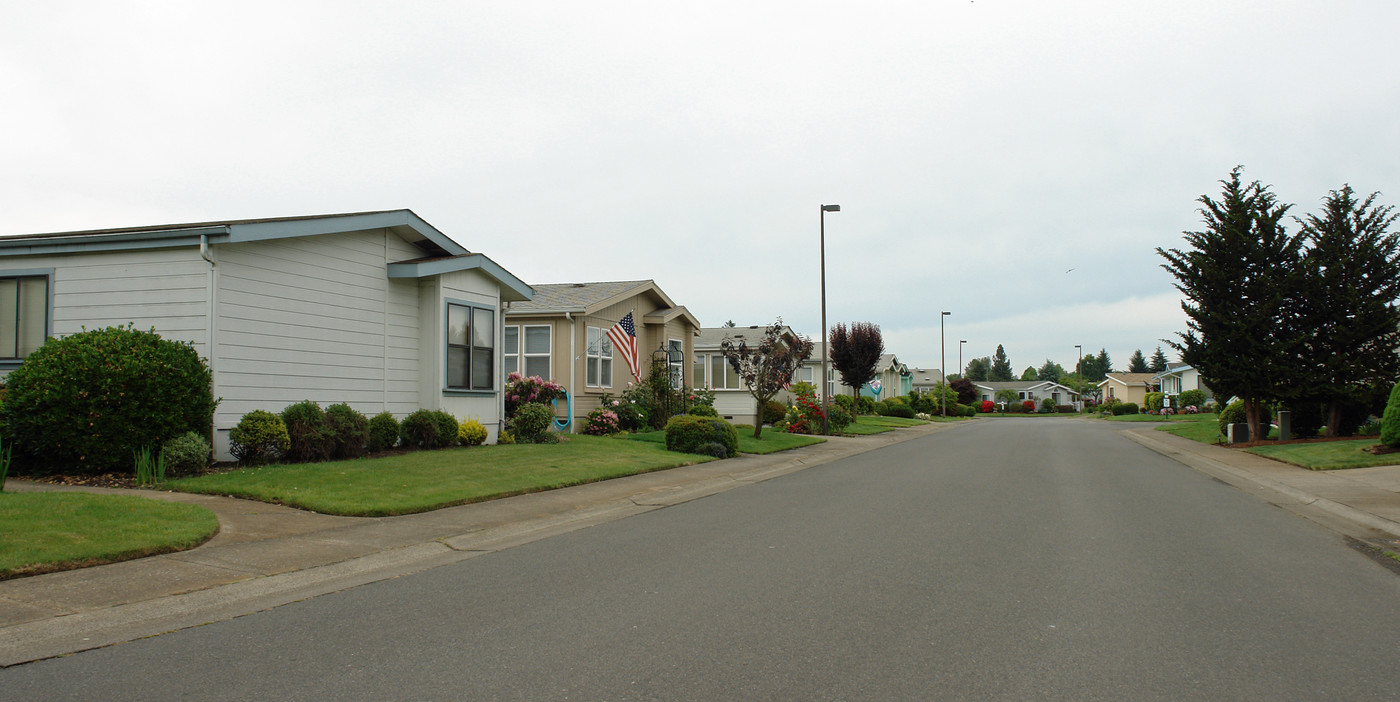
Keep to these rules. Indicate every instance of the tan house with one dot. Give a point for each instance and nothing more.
(711, 370)
(1127, 387)
(562, 335)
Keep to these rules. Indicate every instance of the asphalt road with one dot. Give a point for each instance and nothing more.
(1006, 559)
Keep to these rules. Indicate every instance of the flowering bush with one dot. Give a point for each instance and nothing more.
(520, 390)
(988, 406)
(805, 416)
(1190, 409)
(601, 422)
(924, 416)
(1029, 405)
(632, 413)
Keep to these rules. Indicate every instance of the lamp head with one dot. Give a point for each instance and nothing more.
(831, 208)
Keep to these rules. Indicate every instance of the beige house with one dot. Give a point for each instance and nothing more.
(1127, 387)
(562, 335)
(710, 370)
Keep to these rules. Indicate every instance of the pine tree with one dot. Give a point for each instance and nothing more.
(1001, 366)
(1136, 362)
(1352, 273)
(1029, 374)
(1104, 364)
(1239, 278)
(1158, 364)
(978, 368)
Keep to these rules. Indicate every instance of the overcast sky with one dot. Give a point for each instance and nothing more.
(1014, 163)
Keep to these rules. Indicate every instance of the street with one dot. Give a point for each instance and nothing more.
(1004, 559)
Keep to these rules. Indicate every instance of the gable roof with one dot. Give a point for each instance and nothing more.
(1128, 379)
(588, 298)
(995, 385)
(710, 337)
(403, 222)
(1173, 369)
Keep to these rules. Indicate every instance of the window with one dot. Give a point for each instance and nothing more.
(537, 348)
(471, 335)
(24, 315)
(510, 351)
(697, 377)
(598, 373)
(722, 375)
(675, 358)
(805, 374)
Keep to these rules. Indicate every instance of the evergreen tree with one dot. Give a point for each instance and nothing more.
(1136, 363)
(1029, 374)
(1104, 365)
(1051, 371)
(1158, 364)
(1239, 278)
(1352, 268)
(1001, 366)
(978, 368)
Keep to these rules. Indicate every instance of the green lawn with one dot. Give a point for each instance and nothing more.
(1154, 418)
(41, 532)
(875, 424)
(426, 480)
(1328, 455)
(773, 440)
(1204, 428)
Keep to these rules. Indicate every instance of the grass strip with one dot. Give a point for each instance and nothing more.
(773, 440)
(421, 481)
(42, 532)
(1328, 455)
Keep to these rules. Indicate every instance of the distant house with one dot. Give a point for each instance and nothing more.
(1127, 387)
(562, 334)
(378, 310)
(711, 370)
(894, 378)
(1178, 378)
(1034, 390)
(925, 379)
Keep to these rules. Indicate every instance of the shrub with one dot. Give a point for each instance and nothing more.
(504, 437)
(1029, 405)
(632, 415)
(418, 430)
(1127, 408)
(713, 448)
(521, 391)
(1189, 398)
(1065, 409)
(846, 402)
(531, 422)
(383, 432)
(186, 454)
(988, 406)
(446, 429)
(804, 416)
(1306, 417)
(687, 433)
(349, 431)
(1047, 405)
(837, 418)
(1015, 408)
(966, 411)
(708, 411)
(866, 405)
(259, 437)
(773, 411)
(311, 439)
(1390, 420)
(603, 421)
(84, 403)
(471, 433)
(1153, 401)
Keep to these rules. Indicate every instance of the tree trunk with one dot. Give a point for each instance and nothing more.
(855, 404)
(1251, 416)
(1334, 417)
(758, 422)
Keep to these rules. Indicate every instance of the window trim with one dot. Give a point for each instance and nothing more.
(497, 338)
(677, 367)
(548, 355)
(10, 363)
(589, 356)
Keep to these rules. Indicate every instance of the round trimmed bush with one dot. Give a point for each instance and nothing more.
(349, 431)
(84, 403)
(773, 411)
(259, 437)
(471, 433)
(687, 433)
(708, 411)
(846, 402)
(419, 429)
(186, 454)
(837, 418)
(1189, 398)
(311, 439)
(383, 432)
(446, 429)
(866, 405)
(531, 422)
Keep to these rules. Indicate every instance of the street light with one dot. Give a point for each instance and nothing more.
(1079, 371)
(960, 365)
(943, 366)
(826, 387)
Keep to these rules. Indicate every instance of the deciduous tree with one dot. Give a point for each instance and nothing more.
(1050, 371)
(855, 353)
(768, 366)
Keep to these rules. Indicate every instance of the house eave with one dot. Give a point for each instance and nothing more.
(512, 288)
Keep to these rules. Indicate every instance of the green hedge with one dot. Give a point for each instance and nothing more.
(689, 433)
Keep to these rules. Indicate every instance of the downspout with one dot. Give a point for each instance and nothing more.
(573, 363)
(211, 327)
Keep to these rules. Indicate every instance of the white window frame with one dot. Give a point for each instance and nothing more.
(510, 358)
(525, 354)
(722, 383)
(675, 349)
(598, 356)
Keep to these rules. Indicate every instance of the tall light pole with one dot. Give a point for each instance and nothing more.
(1079, 371)
(960, 365)
(826, 343)
(943, 366)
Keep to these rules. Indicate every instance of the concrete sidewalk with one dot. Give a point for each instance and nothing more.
(267, 555)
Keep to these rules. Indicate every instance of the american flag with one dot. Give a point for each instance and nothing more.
(624, 338)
